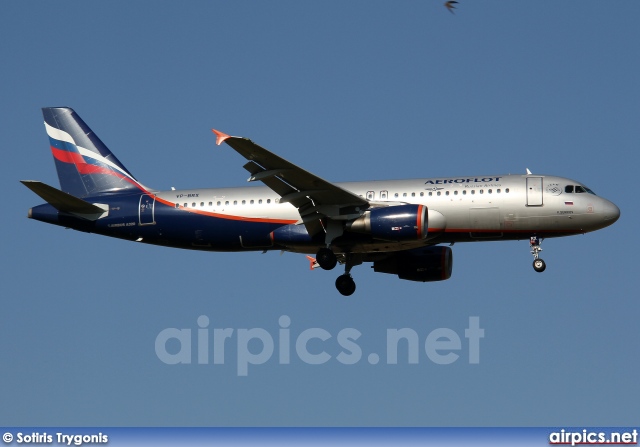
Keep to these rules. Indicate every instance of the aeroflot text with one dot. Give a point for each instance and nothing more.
(462, 180)
(256, 346)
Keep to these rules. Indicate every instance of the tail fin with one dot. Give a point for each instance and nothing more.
(86, 167)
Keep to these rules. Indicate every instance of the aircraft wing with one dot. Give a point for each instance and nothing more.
(314, 197)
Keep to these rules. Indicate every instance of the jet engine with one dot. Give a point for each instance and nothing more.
(291, 236)
(393, 223)
(421, 264)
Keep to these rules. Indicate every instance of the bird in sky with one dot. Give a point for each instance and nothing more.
(450, 5)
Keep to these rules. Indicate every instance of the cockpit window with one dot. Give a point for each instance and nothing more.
(578, 189)
(584, 189)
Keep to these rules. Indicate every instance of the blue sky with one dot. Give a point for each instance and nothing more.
(350, 91)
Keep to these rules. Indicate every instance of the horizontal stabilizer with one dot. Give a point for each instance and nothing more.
(65, 202)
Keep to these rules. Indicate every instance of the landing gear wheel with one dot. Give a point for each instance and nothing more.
(326, 259)
(539, 265)
(345, 284)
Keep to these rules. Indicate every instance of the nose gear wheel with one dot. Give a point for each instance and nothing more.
(538, 264)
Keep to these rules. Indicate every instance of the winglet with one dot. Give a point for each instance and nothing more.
(220, 137)
(312, 263)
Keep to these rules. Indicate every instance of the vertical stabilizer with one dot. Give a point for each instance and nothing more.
(86, 167)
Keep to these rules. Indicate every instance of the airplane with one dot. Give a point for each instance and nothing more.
(401, 226)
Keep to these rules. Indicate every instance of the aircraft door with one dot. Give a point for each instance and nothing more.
(146, 210)
(534, 191)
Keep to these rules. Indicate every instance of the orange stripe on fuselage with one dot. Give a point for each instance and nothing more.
(226, 216)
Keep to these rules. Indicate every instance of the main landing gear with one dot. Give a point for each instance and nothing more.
(538, 264)
(345, 284)
(327, 260)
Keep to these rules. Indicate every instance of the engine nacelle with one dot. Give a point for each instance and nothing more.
(420, 264)
(291, 235)
(393, 223)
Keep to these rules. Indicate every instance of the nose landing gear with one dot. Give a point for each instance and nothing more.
(538, 264)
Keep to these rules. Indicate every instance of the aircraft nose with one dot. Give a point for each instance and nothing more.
(611, 212)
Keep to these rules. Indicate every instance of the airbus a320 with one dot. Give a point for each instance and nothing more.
(402, 227)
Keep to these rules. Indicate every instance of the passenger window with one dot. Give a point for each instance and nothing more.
(219, 203)
(404, 194)
(185, 205)
(260, 201)
(498, 191)
(490, 191)
(244, 202)
(473, 191)
(413, 194)
(251, 203)
(396, 195)
(193, 204)
(507, 190)
(210, 203)
(430, 193)
(268, 200)
(455, 193)
(464, 192)
(226, 203)
(482, 191)
(177, 205)
(568, 188)
(422, 194)
(201, 203)
(439, 193)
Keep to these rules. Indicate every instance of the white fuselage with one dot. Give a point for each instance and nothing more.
(496, 207)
